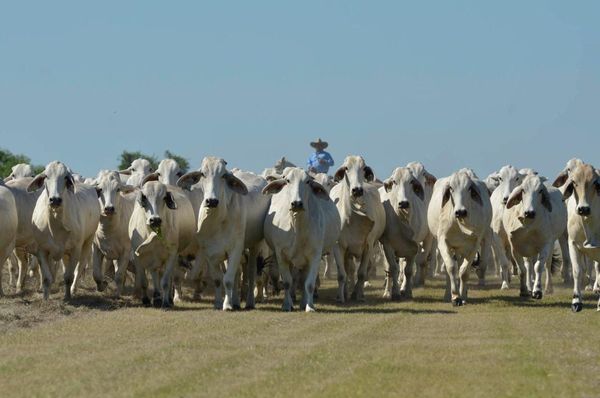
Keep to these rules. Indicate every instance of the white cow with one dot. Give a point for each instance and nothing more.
(534, 218)
(459, 216)
(302, 224)
(362, 220)
(8, 232)
(230, 220)
(25, 243)
(507, 178)
(161, 230)
(65, 219)
(111, 241)
(20, 170)
(405, 204)
(582, 192)
(139, 169)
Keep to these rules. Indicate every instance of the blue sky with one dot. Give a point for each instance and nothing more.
(449, 83)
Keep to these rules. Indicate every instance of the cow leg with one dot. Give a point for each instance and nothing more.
(392, 274)
(597, 281)
(540, 263)
(216, 274)
(140, 289)
(233, 263)
(501, 260)
(565, 271)
(46, 274)
(341, 274)
(70, 262)
(166, 281)
(350, 273)
(122, 264)
(549, 288)
(463, 274)
(406, 288)
(451, 266)
(588, 274)
(577, 263)
(157, 299)
(286, 276)
(529, 273)
(310, 282)
(97, 268)
(82, 262)
(251, 277)
(23, 263)
(359, 287)
(4, 255)
(524, 289)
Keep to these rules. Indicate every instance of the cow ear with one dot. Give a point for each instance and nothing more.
(568, 190)
(9, 178)
(560, 179)
(270, 178)
(150, 177)
(70, 183)
(446, 195)
(37, 183)
(515, 197)
(369, 175)
(429, 178)
(274, 187)
(170, 201)
(188, 179)
(546, 200)
(126, 171)
(318, 189)
(339, 174)
(418, 189)
(388, 184)
(235, 184)
(125, 189)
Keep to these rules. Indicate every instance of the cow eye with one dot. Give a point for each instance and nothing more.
(500, 179)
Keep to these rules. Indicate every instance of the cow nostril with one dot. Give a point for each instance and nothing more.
(403, 204)
(155, 222)
(212, 202)
(357, 191)
(109, 210)
(584, 210)
(530, 214)
(505, 200)
(460, 213)
(297, 205)
(55, 201)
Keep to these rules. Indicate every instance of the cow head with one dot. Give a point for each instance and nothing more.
(354, 173)
(507, 179)
(583, 182)
(138, 166)
(109, 189)
(169, 171)
(217, 183)
(155, 200)
(530, 194)
(463, 193)
(404, 189)
(296, 187)
(56, 178)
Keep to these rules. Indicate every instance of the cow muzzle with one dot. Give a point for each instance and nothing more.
(109, 210)
(357, 192)
(297, 205)
(460, 213)
(154, 222)
(55, 202)
(211, 203)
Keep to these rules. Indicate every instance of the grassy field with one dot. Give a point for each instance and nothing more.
(497, 345)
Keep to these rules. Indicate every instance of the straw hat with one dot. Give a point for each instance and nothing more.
(319, 144)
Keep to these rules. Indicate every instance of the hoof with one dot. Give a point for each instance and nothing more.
(457, 302)
(166, 306)
(237, 307)
(101, 286)
(290, 309)
(537, 294)
(249, 307)
(157, 302)
(309, 309)
(504, 286)
(406, 295)
(576, 307)
(589, 288)
(525, 294)
(146, 302)
(396, 297)
(387, 295)
(367, 284)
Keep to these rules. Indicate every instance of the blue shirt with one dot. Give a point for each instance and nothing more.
(314, 161)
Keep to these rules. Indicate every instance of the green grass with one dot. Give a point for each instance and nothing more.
(497, 345)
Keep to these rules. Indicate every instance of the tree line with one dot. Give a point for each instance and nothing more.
(9, 159)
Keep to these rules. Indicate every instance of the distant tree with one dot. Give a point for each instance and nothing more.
(127, 157)
(9, 159)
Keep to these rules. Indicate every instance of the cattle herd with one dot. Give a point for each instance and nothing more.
(250, 235)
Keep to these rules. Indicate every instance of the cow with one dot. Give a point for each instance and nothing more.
(581, 190)
(8, 232)
(301, 226)
(65, 219)
(111, 241)
(534, 218)
(21, 170)
(161, 230)
(459, 217)
(139, 169)
(230, 220)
